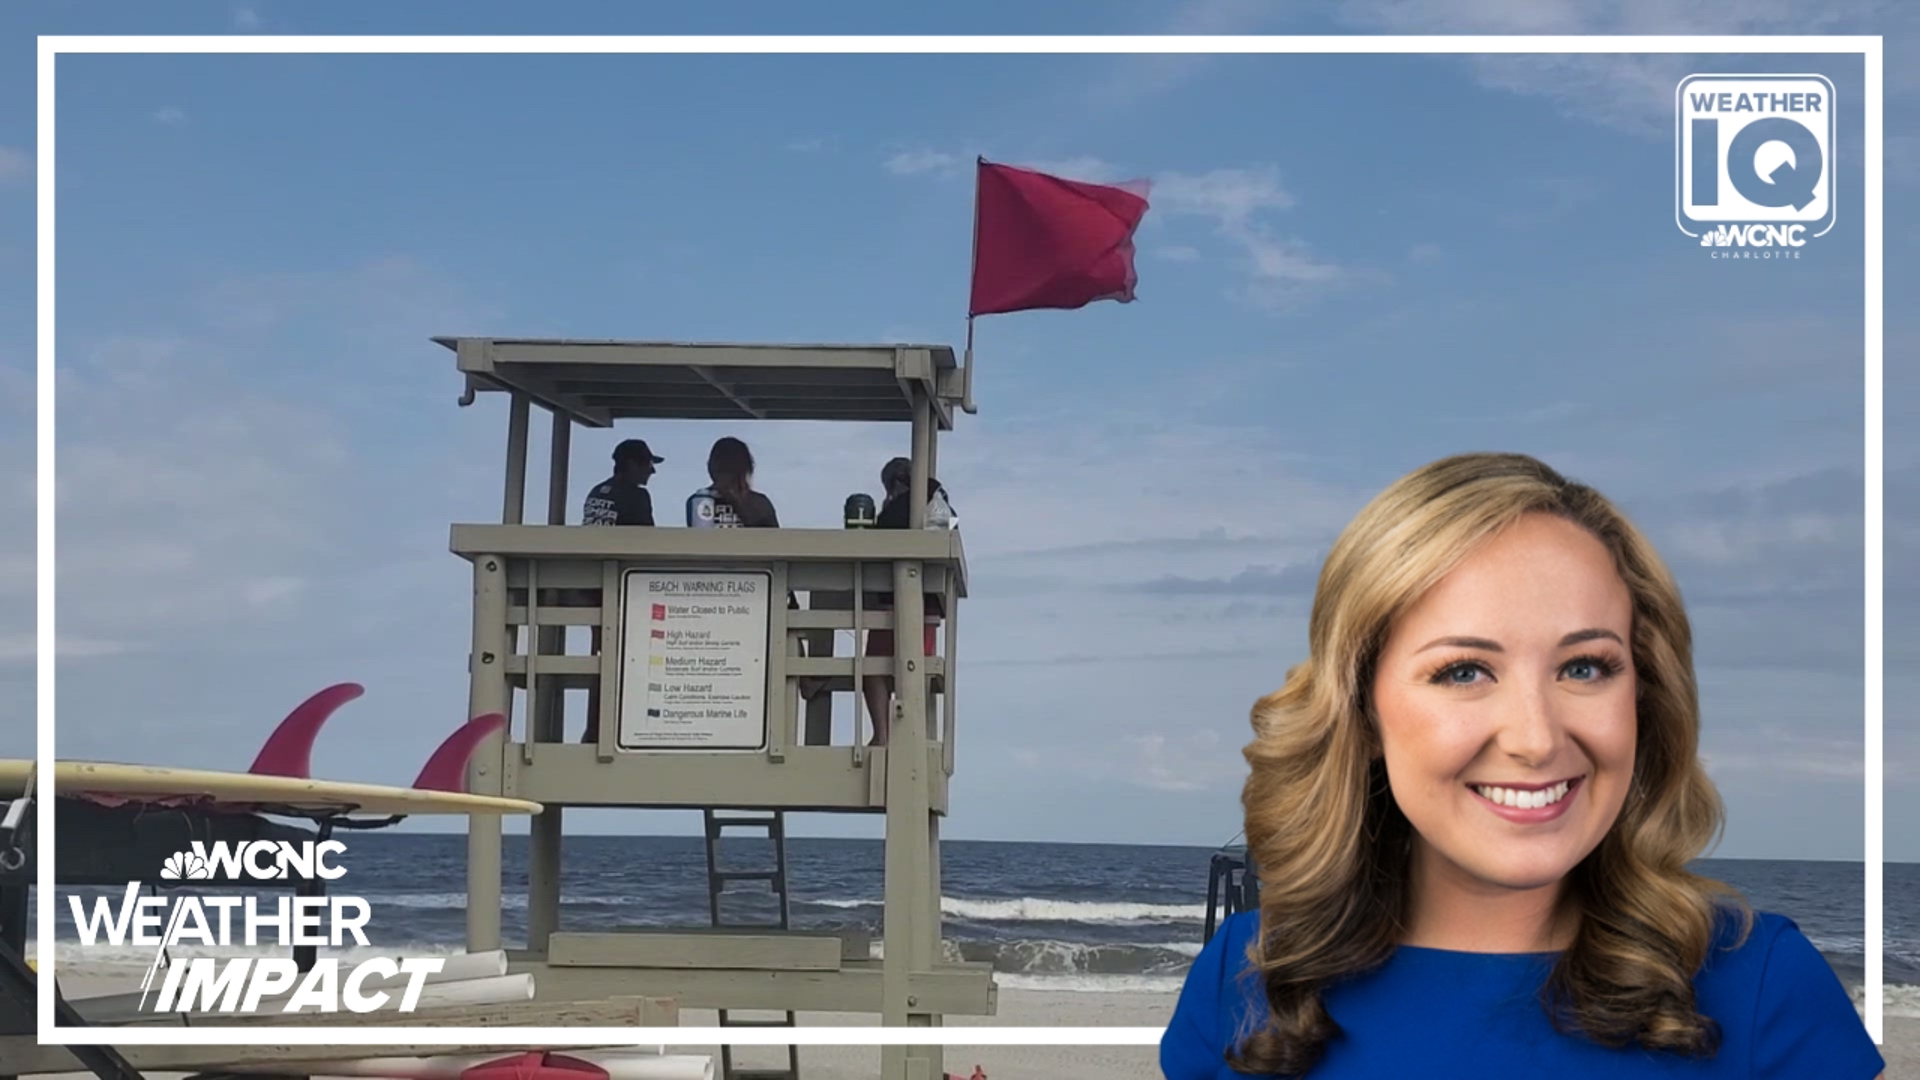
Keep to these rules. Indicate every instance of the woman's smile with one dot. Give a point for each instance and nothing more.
(1528, 804)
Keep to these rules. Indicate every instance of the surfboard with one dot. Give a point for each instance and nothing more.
(239, 791)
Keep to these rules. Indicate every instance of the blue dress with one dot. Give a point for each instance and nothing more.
(1435, 1013)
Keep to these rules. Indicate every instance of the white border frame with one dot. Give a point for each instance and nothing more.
(1870, 48)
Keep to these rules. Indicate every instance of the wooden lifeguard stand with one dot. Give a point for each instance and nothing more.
(697, 679)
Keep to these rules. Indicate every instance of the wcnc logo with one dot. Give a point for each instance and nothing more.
(243, 983)
(1753, 176)
(261, 860)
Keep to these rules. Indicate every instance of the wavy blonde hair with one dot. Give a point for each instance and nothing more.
(1333, 849)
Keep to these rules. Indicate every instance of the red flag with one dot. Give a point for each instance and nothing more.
(1043, 242)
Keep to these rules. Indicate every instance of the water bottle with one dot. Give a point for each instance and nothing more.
(939, 512)
(700, 510)
(859, 511)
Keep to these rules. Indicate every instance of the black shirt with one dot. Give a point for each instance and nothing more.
(614, 503)
(893, 514)
(896, 514)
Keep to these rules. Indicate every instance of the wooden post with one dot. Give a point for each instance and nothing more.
(545, 830)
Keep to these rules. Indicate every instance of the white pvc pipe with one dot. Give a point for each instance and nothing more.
(468, 992)
(479, 965)
(620, 1064)
(434, 1067)
(494, 991)
(462, 967)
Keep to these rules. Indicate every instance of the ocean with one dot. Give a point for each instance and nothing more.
(1088, 917)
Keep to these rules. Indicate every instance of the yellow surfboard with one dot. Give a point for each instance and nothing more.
(162, 782)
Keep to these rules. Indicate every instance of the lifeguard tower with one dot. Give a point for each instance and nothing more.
(698, 676)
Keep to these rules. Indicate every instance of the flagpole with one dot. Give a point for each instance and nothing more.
(966, 379)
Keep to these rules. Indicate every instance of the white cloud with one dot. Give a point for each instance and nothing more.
(1089, 169)
(16, 166)
(1633, 93)
(915, 162)
(223, 487)
(1155, 761)
(1783, 758)
(1229, 196)
(1900, 158)
(198, 498)
(271, 591)
(1135, 78)
(17, 571)
(24, 648)
(1543, 198)
(1283, 272)
(1616, 16)
(170, 115)
(1194, 762)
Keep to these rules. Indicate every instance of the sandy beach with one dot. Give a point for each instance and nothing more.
(1017, 1008)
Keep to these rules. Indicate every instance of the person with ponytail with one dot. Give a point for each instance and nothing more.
(730, 502)
(1474, 807)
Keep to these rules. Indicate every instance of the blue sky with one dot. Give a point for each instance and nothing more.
(1353, 265)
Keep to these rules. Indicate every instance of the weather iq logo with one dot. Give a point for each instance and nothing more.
(1754, 175)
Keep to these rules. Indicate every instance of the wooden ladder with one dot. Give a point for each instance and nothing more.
(773, 824)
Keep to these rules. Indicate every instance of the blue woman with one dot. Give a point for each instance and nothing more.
(1473, 809)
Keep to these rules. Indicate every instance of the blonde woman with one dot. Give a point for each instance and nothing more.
(1473, 808)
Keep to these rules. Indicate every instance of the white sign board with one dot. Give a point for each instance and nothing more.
(693, 667)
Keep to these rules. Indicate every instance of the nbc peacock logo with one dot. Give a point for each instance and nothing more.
(185, 865)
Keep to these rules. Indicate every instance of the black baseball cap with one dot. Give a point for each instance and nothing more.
(635, 450)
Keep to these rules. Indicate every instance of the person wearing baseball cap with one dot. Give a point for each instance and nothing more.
(623, 499)
(620, 499)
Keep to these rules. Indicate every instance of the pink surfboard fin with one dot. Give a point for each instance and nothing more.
(446, 770)
(289, 750)
(536, 1065)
